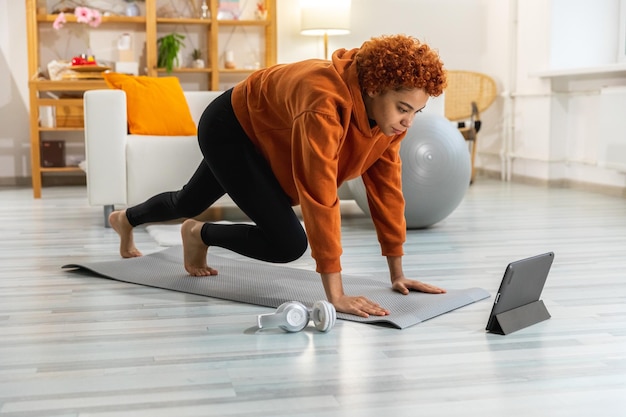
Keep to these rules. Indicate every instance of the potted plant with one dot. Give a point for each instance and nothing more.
(196, 55)
(169, 46)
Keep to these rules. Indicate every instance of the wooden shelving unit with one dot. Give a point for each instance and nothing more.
(37, 89)
(151, 25)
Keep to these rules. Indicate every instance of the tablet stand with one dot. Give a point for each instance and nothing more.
(520, 317)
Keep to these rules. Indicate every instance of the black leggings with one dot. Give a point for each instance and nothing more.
(231, 165)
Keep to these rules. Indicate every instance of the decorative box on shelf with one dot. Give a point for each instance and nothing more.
(52, 153)
(69, 116)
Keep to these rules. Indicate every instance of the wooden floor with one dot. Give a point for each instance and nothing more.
(82, 346)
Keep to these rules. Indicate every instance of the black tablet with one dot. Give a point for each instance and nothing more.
(517, 302)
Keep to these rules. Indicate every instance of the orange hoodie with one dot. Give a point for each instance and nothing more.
(308, 120)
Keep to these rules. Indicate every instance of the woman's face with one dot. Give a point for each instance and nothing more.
(394, 110)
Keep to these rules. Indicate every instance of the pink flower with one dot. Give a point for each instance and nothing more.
(83, 14)
(91, 17)
(96, 19)
(60, 21)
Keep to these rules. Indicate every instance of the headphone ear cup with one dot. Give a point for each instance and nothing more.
(296, 317)
(323, 315)
(291, 316)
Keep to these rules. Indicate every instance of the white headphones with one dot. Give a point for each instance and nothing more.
(293, 316)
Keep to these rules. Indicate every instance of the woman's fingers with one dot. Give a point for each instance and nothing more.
(404, 285)
(360, 306)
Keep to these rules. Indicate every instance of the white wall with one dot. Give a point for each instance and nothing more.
(578, 33)
(566, 128)
(14, 132)
(434, 21)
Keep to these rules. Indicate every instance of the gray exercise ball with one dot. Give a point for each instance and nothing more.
(435, 171)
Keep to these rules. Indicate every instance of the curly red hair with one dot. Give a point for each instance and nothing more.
(399, 61)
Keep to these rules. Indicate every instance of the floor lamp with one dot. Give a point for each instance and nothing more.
(325, 18)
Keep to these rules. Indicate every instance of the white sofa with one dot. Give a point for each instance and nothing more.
(124, 169)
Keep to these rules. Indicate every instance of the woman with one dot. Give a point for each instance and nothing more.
(292, 134)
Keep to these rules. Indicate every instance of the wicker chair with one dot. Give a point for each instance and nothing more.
(466, 96)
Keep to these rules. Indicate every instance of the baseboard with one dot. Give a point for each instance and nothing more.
(597, 188)
(48, 180)
(614, 191)
(15, 182)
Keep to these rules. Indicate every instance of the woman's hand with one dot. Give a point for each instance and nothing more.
(404, 286)
(359, 306)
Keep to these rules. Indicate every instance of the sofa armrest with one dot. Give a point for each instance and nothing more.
(105, 146)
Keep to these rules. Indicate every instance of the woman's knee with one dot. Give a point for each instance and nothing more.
(293, 248)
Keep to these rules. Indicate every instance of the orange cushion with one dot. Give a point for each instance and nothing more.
(154, 105)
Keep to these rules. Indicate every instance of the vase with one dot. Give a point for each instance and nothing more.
(229, 60)
(132, 9)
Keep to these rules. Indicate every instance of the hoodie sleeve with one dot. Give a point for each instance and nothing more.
(383, 183)
(316, 139)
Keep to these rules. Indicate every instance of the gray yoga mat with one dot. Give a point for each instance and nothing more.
(270, 285)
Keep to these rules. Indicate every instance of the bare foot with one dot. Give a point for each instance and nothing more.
(119, 223)
(194, 250)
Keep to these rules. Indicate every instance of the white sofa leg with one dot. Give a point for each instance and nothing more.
(108, 209)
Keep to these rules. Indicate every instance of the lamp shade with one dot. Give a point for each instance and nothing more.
(325, 17)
